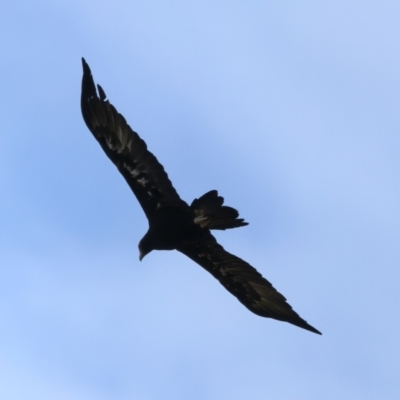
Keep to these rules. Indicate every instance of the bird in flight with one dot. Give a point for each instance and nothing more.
(173, 224)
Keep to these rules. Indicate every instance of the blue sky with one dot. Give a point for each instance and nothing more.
(290, 110)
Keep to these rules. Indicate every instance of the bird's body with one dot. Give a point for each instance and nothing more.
(170, 227)
(173, 224)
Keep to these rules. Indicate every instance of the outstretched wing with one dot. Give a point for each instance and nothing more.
(243, 281)
(140, 168)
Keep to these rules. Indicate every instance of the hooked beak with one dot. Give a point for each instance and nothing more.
(141, 255)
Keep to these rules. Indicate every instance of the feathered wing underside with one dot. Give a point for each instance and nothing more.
(123, 146)
(210, 213)
(243, 281)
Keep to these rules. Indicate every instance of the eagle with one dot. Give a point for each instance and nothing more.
(173, 223)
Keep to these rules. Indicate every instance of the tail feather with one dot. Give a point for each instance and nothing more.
(211, 214)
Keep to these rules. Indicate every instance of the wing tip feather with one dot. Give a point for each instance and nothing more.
(85, 66)
(307, 327)
(102, 93)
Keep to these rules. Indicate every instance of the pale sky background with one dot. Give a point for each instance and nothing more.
(291, 110)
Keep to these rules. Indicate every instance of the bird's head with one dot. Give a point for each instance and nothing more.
(145, 246)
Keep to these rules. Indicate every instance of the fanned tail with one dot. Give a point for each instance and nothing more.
(211, 214)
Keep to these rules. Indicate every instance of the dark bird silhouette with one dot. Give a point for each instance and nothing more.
(173, 224)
